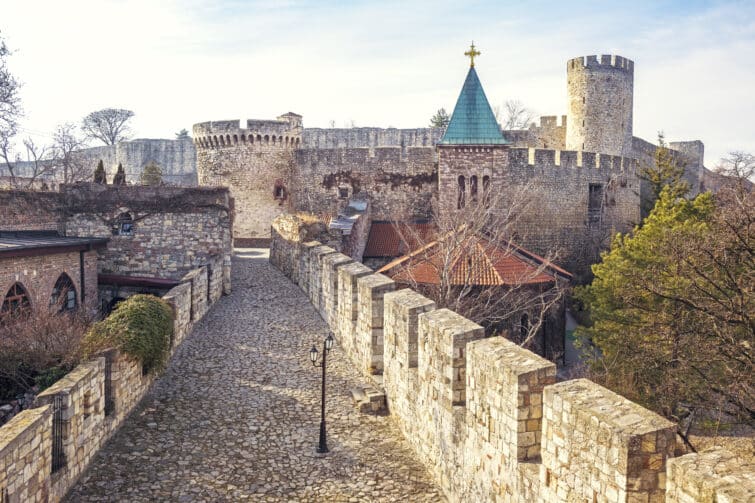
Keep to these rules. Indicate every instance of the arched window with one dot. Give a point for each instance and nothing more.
(267, 139)
(473, 188)
(524, 327)
(235, 139)
(15, 303)
(63, 294)
(124, 225)
(259, 138)
(243, 138)
(228, 140)
(222, 141)
(461, 201)
(486, 191)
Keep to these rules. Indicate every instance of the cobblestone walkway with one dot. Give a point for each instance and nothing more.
(236, 415)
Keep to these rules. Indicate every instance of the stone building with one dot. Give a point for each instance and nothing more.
(582, 170)
(115, 240)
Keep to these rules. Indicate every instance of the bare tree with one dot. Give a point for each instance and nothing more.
(69, 166)
(10, 109)
(455, 266)
(109, 125)
(514, 115)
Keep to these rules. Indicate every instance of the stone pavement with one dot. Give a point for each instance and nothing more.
(236, 415)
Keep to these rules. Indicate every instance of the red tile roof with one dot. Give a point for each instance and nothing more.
(476, 261)
(393, 239)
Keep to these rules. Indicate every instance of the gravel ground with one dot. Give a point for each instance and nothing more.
(236, 415)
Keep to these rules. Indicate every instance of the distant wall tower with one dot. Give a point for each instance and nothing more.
(255, 163)
(600, 104)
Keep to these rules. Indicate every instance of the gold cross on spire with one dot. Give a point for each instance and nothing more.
(472, 53)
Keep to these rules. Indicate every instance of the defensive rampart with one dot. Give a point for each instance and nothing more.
(486, 416)
(44, 450)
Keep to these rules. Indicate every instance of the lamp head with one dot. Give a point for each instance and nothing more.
(313, 354)
(329, 341)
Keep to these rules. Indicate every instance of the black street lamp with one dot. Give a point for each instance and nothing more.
(327, 346)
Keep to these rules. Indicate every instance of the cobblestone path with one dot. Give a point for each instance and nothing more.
(236, 415)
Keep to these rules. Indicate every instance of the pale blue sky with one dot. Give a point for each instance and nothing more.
(378, 63)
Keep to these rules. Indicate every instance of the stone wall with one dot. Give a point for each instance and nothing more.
(176, 158)
(400, 182)
(356, 137)
(487, 417)
(30, 210)
(174, 229)
(38, 275)
(87, 417)
(555, 216)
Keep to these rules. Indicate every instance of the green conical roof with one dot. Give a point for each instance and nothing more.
(473, 121)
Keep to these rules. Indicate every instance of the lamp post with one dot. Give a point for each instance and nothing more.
(322, 447)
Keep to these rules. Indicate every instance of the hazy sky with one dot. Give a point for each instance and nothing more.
(378, 63)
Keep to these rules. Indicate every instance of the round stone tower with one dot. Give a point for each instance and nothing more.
(600, 104)
(255, 162)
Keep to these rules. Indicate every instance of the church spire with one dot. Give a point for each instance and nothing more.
(472, 53)
(473, 121)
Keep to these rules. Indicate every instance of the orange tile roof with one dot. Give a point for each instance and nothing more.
(385, 240)
(476, 261)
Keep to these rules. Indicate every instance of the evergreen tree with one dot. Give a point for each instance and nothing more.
(665, 170)
(671, 308)
(440, 119)
(152, 174)
(120, 176)
(99, 174)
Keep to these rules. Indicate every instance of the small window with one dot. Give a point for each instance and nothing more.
(279, 191)
(595, 203)
(524, 327)
(63, 294)
(16, 302)
(124, 225)
(486, 191)
(343, 192)
(473, 188)
(461, 200)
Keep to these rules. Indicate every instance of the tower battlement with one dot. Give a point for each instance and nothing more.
(605, 61)
(284, 132)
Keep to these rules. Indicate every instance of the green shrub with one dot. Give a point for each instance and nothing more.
(141, 326)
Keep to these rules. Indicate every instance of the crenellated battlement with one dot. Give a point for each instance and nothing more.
(570, 159)
(488, 417)
(284, 132)
(605, 61)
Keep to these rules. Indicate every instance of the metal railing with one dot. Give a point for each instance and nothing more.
(109, 399)
(58, 455)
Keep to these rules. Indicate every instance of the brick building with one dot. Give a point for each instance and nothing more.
(42, 269)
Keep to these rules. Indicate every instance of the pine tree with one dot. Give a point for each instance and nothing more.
(666, 170)
(152, 174)
(120, 176)
(440, 119)
(671, 308)
(99, 174)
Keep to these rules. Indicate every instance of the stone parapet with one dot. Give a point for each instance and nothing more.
(90, 403)
(596, 442)
(715, 476)
(329, 302)
(368, 341)
(489, 422)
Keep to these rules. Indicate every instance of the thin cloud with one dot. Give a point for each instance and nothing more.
(383, 63)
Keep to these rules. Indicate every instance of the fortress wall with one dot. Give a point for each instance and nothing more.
(329, 305)
(488, 420)
(347, 311)
(176, 158)
(714, 476)
(357, 137)
(555, 216)
(87, 420)
(400, 182)
(174, 231)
